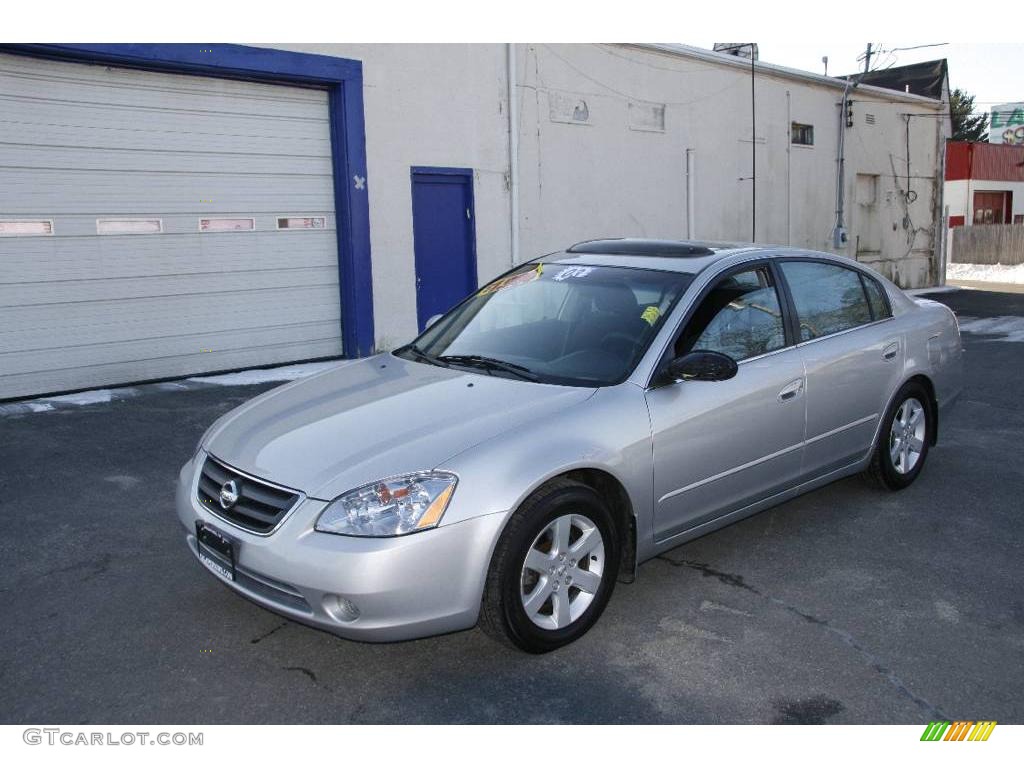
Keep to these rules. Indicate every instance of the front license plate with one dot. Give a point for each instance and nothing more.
(216, 551)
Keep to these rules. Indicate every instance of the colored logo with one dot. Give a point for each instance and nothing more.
(961, 730)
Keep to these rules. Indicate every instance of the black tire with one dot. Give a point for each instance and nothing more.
(502, 615)
(882, 472)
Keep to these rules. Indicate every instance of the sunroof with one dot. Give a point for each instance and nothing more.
(637, 247)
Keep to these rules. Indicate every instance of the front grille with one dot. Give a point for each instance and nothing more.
(260, 506)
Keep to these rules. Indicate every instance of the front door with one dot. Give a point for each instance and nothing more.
(721, 445)
(991, 208)
(443, 239)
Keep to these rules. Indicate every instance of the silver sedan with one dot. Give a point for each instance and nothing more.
(577, 416)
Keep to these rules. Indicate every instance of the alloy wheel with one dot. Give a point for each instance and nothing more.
(562, 571)
(907, 435)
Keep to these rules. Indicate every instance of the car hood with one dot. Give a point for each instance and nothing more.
(373, 418)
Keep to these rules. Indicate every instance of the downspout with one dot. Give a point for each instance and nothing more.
(969, 218)
(691, 162)
(753, 150)
(789, 168)
(941, 212)
(839, 231)
(513, 154)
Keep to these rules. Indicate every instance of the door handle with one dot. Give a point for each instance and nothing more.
(791, 390)
(890, 351)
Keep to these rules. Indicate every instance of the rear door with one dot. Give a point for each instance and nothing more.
(853, 355)
(722, 445)
(443, 239)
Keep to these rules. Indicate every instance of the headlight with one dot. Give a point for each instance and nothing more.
(390, 507)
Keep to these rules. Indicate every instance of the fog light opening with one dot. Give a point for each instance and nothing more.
(341, 608)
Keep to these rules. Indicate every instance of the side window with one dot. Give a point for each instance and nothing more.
(828, 298)
(879, 306)
(740, 317)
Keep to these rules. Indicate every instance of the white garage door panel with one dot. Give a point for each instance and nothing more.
(81, 142)
(145, 350)
(61, 325)
(71, 160)
(71, 83)
(89, 126)
(107, 193)
(50, 259)
(169, 367)
(210, 284)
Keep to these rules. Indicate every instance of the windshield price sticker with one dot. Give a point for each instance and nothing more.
(651, 314)
(570, 272)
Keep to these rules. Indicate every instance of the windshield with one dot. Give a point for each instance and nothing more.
(555, 323)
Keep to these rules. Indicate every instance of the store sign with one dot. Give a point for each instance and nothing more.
(1006, 124)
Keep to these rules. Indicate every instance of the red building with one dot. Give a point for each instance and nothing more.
(984, 183)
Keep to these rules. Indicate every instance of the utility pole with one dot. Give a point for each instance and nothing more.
(867, 59)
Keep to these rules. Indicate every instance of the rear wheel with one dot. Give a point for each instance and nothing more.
(904, 439)
(553, 569)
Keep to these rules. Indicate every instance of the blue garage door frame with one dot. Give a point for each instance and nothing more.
(444, 239)
(343, 79)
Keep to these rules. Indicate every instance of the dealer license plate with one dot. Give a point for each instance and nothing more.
(216, 551)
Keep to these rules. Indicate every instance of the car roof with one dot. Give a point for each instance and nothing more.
(689, 256)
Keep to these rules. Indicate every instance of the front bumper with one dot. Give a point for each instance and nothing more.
(404, 587)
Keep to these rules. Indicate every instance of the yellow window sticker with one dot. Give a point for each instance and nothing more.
(651, 314)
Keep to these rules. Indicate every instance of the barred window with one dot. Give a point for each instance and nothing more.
(803, 134)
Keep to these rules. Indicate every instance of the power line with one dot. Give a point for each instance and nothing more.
(915, 47)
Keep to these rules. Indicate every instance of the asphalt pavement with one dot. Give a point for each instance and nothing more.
(848, 605)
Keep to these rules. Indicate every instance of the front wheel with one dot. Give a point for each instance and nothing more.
(553, 569)
(904, 439)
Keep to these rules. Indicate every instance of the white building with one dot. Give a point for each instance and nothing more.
(171, 209)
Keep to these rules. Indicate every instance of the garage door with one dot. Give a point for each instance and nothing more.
(156, 225)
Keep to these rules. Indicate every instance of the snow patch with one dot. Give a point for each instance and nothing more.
(1006, 327)
(91, 397)
(57, 402)
(264, 375)
(98, 396)
(995, 273)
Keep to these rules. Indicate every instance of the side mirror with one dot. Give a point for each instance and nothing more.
(701, 365)
(431, 320)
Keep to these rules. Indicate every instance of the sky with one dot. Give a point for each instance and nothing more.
(993, 72)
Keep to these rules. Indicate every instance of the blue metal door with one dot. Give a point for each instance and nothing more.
(444, 239)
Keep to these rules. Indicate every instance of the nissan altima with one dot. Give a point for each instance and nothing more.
(575, 417)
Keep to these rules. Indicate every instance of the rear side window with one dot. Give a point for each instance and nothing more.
(879, 306)
(828, 298)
